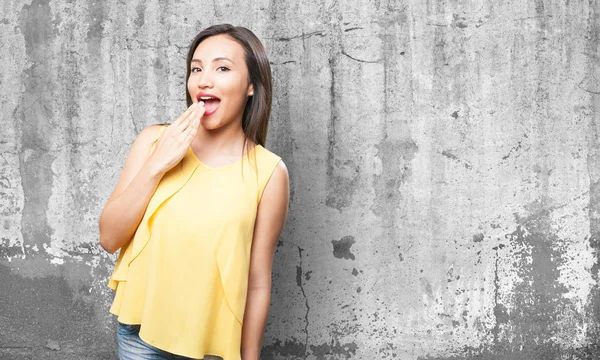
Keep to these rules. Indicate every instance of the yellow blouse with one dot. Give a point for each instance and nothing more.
(184, 274)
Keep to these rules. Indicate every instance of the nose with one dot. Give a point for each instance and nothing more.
(205, 80)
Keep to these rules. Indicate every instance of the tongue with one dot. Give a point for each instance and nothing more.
(211, 105)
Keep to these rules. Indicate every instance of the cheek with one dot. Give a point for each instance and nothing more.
(234, 86)
(188, 85)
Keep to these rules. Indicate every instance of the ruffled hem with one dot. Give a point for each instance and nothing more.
(170, 184)
(233, 270)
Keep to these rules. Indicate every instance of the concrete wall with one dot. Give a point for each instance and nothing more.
(444, 160)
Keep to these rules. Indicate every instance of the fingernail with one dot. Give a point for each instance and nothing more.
(201, 103)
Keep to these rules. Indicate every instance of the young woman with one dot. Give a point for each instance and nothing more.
(197, 221)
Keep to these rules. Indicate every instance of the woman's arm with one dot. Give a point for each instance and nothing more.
(126, 205)
(142, 173)
(270, 219)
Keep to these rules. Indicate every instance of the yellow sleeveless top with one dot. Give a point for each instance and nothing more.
(184, 274)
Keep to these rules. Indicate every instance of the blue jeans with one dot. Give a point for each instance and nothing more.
(132, 347)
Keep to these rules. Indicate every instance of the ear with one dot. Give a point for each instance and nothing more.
(250, 90)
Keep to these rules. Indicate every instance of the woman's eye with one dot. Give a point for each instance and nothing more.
(223, 68)
(196, 69)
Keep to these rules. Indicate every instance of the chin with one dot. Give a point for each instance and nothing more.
(210, 124)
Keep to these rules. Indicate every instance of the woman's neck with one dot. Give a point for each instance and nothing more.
(225, 140)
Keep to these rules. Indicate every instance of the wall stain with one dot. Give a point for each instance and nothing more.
(500, 311)
(293, 348)
(278, 349)
(526, 329)
(161, 66)
(303, 36)
(342, 176)
(335, 348)
(478, 237)
(450, 155)
(516, 148)
(285, 146)
(341, 248)
(299, 283)
(538, 300)
(427, 288)
(35, 119)
(342, 172)
(396, 149)
(458, 21)
(97, 13)
(48, 309)
(140, 10)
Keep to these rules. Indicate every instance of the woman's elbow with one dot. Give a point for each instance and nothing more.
(107, 245)
(109, 249)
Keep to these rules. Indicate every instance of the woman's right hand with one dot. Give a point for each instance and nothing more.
(177, 137)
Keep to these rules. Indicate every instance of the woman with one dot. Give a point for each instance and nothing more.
(197, 221)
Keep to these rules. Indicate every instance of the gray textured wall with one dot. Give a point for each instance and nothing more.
(444, 161)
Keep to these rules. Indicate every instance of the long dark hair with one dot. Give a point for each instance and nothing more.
(255, 120)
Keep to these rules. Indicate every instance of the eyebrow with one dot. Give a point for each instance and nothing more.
(215, 59)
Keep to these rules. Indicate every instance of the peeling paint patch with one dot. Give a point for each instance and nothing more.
(538, 301)
(396, 157)
(539, 352)
(342, 186)
(341, 248)
(426, 287)
(293, 348)
(527, 325)
(287, 348)
(450, 155)
(57, 261)
(344, 351)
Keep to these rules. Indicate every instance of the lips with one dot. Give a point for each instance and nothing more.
(211, 103)
(211, 106)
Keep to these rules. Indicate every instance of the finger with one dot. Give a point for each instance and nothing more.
(180, 127)
(191, 131)
(201, 112)
(186, 113)
(195, 115)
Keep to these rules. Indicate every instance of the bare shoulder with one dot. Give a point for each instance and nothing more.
(281, 171)
(278, 184)
(149, 134)
(142, 145)
(138, 153)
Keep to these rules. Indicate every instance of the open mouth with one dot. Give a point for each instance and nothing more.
(211, 103)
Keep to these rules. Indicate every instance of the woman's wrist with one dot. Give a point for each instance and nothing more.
(153, 169)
